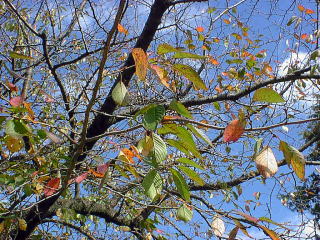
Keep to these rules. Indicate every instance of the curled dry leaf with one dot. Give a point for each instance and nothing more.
(266, 163)
(218, 226)
(233, 131)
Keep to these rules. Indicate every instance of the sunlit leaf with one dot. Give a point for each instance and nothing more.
(189, 162)
(122, 29)
(181, 184)
(152, 184)
(153, 116)
(119, 93)
(19, 56)
(273, 235)
(17, 128)
(218, 226)
(180, 108)
(192, 175)
(199, 133)
(200, 29)
(159, 149)
(189, 73)
(266, 162)
(184, 213)
(141, 63)
(267, 95)
(162, 75)
(233, 131)
(187, 55)
(166, 48)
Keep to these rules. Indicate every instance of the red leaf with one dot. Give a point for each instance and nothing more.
(12, 87)
(304, 36)
(16, 101)
(248, 217)
(51, 187)
(103, 168)
(233, 131)
(81, 177)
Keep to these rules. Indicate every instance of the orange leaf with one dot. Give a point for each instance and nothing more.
(28, 107)
(226, 21)
(129, 154)
(309, 11)
(304, 36)
(213, 60)
(96, 174)
(233, 131)
(200, 29)
(162, 75)
(16, 101)
(301, 8)
(51, 187)
(135, 151)
(270, 233)
(141, 62)
(122, 29)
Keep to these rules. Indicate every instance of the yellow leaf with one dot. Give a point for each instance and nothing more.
(22, 224)
(13, 144)
(1, 226)
(141, 62)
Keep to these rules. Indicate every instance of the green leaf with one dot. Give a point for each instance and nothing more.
(267, 95)
(152, 184)
(159, 148)
(153, 116)
(200, 134)
(187, 55)
(119, 93)
(190, 74)
(19, 55)
(292, 20)
(179, 145)
(257, 146)
(181, 184)
(192, 175)
(166, 48)
(179, 108)
(189, 162)
(184, 213)
(16, 128)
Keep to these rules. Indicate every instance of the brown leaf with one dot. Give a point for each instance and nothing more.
(233, 131)
(266, 163)
(141, 62)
